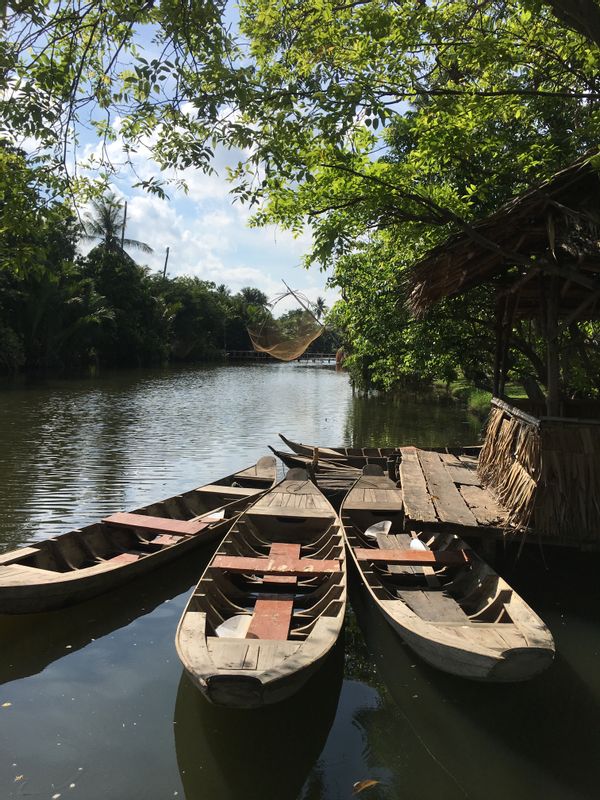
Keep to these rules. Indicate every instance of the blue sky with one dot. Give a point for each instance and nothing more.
(207, 234)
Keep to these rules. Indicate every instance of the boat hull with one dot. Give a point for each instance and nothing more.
(284, 555)
(56, 573)
(464, 620)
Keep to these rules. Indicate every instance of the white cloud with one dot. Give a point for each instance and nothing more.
(208, 234)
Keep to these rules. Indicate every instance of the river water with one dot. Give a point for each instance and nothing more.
(93, 700)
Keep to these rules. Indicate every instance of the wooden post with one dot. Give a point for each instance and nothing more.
(552, 349)
(500, 305)
(166, 262)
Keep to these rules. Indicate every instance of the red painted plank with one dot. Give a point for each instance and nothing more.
(122, 559)
(289, 550)
(271, 619)
(277, 564)
(421, 558)
(166, 539)
(160, 524)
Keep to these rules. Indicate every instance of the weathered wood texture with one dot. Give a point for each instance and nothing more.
(421, 558)
(277, 564)
(445, 489)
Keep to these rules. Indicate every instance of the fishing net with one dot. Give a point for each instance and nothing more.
(287, 337)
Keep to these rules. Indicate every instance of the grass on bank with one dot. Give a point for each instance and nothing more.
(478, 400)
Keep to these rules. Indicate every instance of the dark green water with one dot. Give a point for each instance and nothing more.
(93, 703)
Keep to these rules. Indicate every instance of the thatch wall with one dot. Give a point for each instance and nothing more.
(545, 472)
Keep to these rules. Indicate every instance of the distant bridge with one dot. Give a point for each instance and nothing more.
(253, 355)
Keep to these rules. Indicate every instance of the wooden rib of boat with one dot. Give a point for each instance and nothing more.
(82, 563)
(443, 600)
(270, 605)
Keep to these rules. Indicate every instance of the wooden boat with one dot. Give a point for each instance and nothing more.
(82, 563)
(351, 456)
(270, 605)
(359, 456)
(319, 466)
(443, 600)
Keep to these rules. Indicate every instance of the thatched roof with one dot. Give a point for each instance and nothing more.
(551, 229)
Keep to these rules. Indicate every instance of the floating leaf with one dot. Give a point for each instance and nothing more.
(6, 705)
(18, 778)
(360, 786)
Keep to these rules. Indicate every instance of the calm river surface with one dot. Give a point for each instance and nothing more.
(93, 702)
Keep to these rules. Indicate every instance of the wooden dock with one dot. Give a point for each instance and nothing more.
(444, 490)
(439, 490)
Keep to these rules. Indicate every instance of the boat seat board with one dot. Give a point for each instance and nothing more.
(433, 605)
(166, 539)
(271, 619)
(228, 491)
(160, 524)
(14, 555)
(277, 564)
(422, 558)
(289, 550)
(398, 541)
(123, 558)
(293, 511)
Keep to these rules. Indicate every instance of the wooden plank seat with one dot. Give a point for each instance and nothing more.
(288, 550)
(122, 558)
(271, 619)
(229, 491)
(420, 558)
(166, 539)
(277, 564)
(182, 527)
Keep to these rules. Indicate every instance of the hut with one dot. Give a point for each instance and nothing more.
(541, 254)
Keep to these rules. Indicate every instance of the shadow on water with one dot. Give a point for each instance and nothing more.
(534, 739)
(30, 642)
(263, 754)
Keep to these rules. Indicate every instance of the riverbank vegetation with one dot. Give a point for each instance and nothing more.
(382, 126)
(61, 310)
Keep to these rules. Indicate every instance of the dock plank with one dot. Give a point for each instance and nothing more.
(418, 504)
(449, 503)
(482, 504)
(464, 475)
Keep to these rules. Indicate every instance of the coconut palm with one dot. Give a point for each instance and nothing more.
(107, 224)
(320, 308)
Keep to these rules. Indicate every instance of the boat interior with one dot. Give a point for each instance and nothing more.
(118, 544)
(461, 593)
(291, 603)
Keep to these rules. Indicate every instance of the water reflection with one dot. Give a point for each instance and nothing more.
(390, 421)
(535, 739)
(30, 642)
(263, 754)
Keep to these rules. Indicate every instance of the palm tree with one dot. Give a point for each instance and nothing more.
(107, 223)
(320, 307)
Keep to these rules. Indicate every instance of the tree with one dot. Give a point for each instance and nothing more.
(320, 308)
(107, 223)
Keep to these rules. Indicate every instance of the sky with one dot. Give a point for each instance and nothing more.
(208, 235)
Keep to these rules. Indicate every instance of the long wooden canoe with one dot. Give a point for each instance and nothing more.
(270, 605)
(350, 456)
(82, 563)
(320, 466)
(443, 600)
